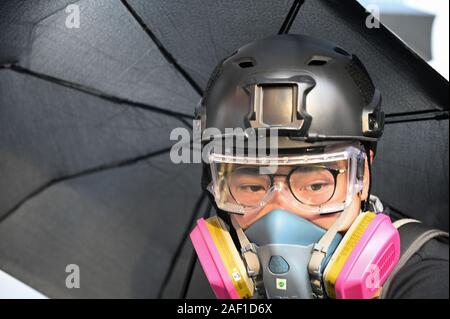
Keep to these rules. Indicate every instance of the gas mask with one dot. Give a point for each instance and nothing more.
(284, 246)
(283, 255)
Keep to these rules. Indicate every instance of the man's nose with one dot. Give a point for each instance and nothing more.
(281, 195)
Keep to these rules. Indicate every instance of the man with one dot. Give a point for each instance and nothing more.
(303, 219)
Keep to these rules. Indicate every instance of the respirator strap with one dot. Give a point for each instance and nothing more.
(248, 250)
(319, 253)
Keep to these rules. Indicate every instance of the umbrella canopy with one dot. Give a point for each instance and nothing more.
(86, 114)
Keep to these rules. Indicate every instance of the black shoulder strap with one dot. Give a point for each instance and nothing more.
(413, 235)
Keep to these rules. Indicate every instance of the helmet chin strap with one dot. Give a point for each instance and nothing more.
(319, 253)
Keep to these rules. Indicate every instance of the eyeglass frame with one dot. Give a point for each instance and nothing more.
(333, 171)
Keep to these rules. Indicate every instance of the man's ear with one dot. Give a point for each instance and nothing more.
(366, 179)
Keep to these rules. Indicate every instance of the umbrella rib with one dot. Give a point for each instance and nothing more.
(179, 248)
(90, 171)
(290, 17)
(94, 92)
(167, 55)
(413, 113)
(438, 116)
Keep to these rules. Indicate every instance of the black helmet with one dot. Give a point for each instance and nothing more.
(323, 94)
(311, 91)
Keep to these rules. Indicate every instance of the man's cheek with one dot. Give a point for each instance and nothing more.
(354, 209)
(248, 219)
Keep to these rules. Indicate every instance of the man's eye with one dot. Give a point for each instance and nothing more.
(252, 188)
(316, 187)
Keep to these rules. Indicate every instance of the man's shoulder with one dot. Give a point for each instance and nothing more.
(425, 275)
(434, 249)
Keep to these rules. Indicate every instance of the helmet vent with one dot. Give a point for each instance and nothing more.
(246, 63)
(318, 60)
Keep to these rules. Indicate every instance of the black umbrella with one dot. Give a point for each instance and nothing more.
(86, 114)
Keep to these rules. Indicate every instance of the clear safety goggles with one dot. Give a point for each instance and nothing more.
(319, 183)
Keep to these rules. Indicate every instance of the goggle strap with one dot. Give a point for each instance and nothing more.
(320, 252)
(248, 249)
(369, 166)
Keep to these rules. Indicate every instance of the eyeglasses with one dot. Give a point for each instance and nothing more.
(312, 185)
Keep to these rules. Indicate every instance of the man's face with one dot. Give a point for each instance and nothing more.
(314, 185)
